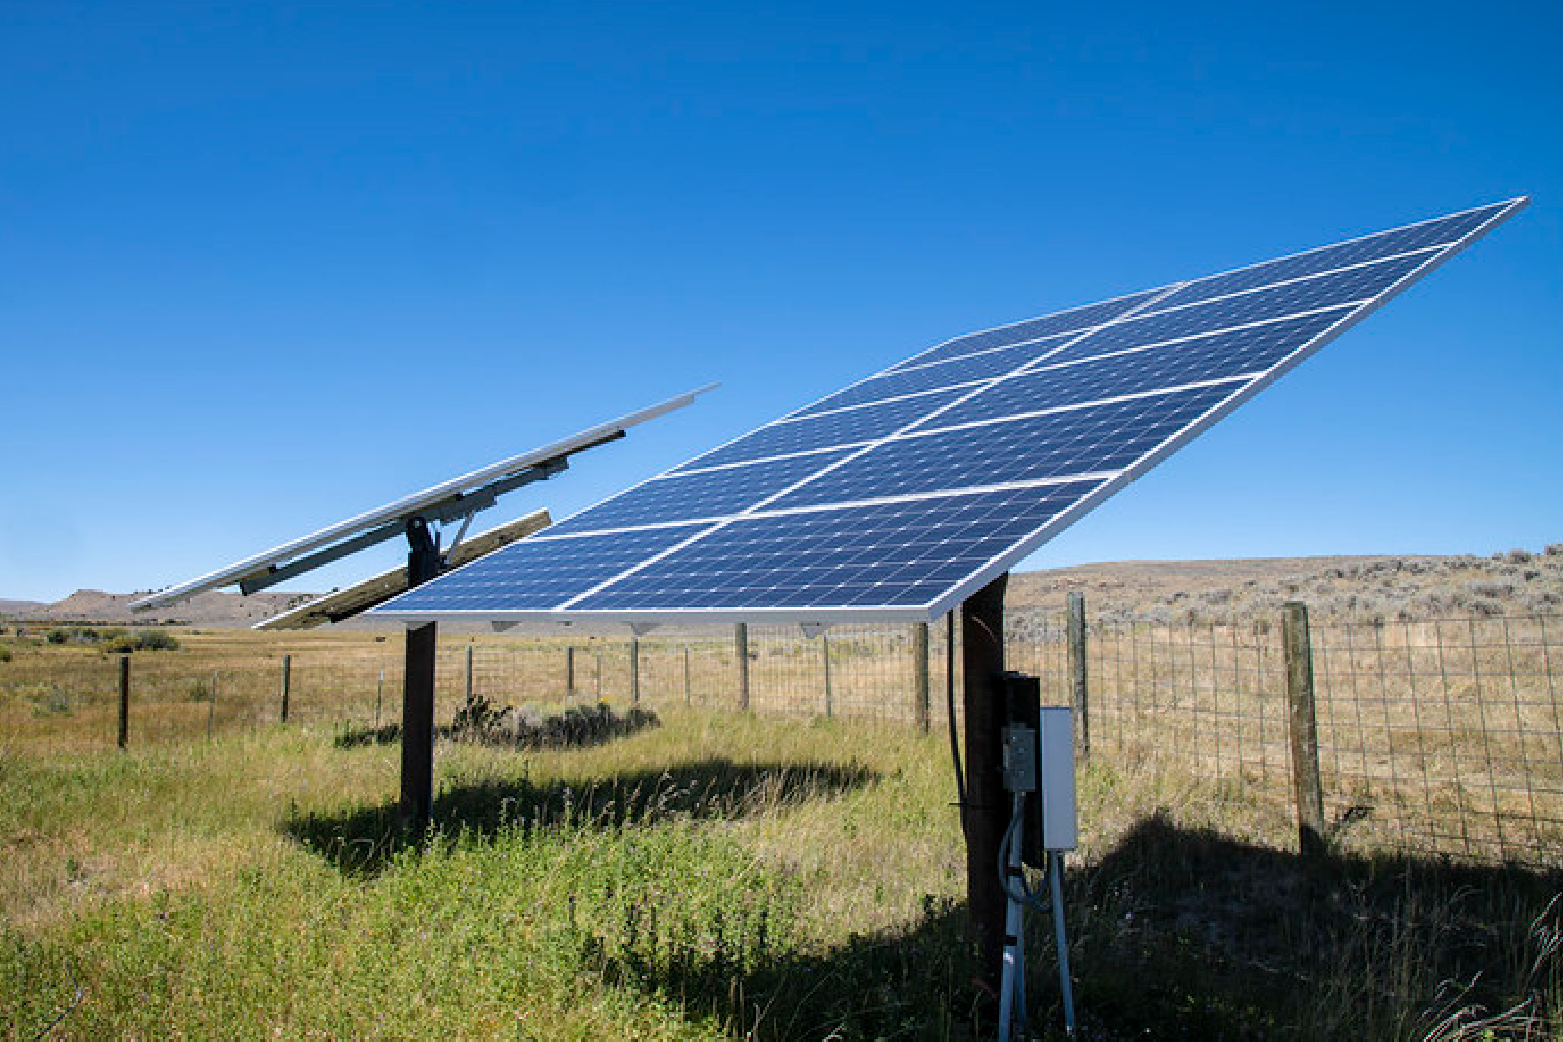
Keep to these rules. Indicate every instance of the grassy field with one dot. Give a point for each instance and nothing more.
(719, 875)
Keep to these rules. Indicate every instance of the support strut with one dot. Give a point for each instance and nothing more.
(417, 795)
(987, 808)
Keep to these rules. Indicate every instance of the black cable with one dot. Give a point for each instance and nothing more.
(68, 1010)
(949, 715)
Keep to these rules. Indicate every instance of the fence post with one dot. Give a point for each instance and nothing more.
(634, 671)
(741, 645)
(920, 676)
(287, 684)
(468, 684)
(599, 672)
(686, 675)
(1078, 672)
(569, 671)
(124, 701)
(824, 645)
(211, 708)
(379, 698)
(1304, 727)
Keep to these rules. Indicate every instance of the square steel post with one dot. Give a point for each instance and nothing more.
(417, 789)
(986, 809)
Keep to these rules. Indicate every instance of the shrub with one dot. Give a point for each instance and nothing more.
(59, 635)
(5, 653)
(157, 640)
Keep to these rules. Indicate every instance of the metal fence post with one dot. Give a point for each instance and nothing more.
(124, 701)
(741, 645)
(1304, 727)
(287, 684)
(634, 671)
(920, 676)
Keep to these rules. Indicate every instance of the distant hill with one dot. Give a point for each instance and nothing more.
(210, 610)
(1515, 582)
(1387, 587)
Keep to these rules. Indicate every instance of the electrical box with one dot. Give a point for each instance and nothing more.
(1045, 771)
(1060, 817)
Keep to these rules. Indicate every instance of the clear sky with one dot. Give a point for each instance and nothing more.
(263, 266)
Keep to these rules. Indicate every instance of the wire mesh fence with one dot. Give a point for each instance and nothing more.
(1437, 736)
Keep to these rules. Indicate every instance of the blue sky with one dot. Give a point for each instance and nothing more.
(263, 266)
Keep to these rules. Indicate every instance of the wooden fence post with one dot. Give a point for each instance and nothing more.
(211, 708)
(634, 671)
(687, 694)
(469, 675)
(124, 701)
(741, 645)
(569, 671)
(920, 676)
(830, 697)
(1078, 673)
(1306, 781)
(287, 684)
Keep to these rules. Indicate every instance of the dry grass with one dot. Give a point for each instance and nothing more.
(721, 875)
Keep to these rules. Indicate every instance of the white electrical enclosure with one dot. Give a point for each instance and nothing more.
(1056, 744)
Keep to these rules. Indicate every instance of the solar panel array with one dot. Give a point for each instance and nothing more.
(898, 496)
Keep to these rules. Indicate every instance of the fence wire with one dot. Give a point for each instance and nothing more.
(1437, 736)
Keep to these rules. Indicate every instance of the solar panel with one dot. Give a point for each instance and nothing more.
(459, 497)
(900, 495)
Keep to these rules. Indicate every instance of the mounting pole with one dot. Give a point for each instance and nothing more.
(987, 809)
(417, 797)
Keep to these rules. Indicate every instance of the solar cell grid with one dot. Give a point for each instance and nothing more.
(1059, 325)
(899, 495)
(874, 554)
(1353, 285)
(1374, 247)
(951, 373)
(849, 427)
(1200, 357)
(1054, 445)
(1217, 357)
(536, 574)
(705, 494)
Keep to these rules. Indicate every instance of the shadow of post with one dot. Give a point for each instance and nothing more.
(362, 841)
(1174, 932)
(1179, 933)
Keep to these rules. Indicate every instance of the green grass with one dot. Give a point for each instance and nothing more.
(718, 876)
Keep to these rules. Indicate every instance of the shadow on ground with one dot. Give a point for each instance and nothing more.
(1175, 933)
(1178, 934)
(483, 723)
(362, 841)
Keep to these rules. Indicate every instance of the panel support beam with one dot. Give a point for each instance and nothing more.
(986, 810)
(416, 805)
